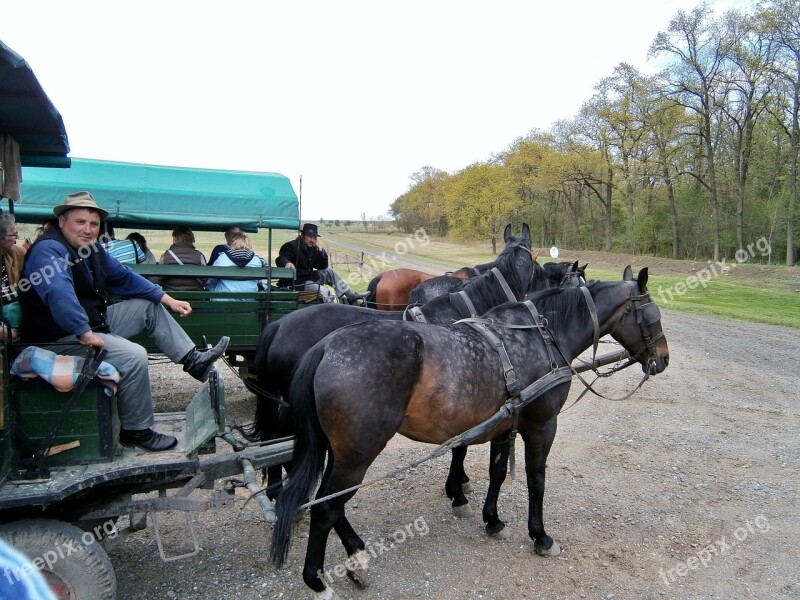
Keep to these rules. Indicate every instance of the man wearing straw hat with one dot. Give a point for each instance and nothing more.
(69, 277)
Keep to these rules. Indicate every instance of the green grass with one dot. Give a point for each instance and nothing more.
(720, 297)
(766, 298)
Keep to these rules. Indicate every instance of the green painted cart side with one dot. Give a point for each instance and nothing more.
(97, 481)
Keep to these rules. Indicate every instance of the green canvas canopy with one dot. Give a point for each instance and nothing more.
(139, 196)
(28, 115)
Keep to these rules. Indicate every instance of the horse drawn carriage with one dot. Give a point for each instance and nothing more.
(65, 481)
(64, 478)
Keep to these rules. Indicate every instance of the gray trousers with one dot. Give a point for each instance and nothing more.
(332, 278)
(127, 319)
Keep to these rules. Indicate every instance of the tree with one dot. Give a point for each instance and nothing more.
(423, 207)
(749, 81)
(481, 202)
(780, 21)
(696, 82)
(665, 120)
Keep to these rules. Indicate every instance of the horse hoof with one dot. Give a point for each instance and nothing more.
(357, 568)
(463, 512)
(466, 488)
(326, 594)
(553, 550)
(503, 535)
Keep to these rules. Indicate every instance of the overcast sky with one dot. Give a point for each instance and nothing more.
(353, 96)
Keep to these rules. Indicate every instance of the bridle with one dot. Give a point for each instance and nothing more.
(647, 313)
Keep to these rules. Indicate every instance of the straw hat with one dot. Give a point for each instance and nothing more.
(79, 200)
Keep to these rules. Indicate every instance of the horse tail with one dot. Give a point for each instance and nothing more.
(266, 408)
(371, 299)
(310, 447)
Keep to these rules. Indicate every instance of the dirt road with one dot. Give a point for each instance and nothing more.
(687, 490)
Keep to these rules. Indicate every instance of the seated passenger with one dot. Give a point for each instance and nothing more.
(309, 259)
(11, 258)
(239, 253)
(182, 252)
(149, 257)
(220, 248)
(71, 307)
(125, 251)
(46, 224)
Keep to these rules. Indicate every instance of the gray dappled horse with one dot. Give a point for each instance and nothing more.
(358, 387)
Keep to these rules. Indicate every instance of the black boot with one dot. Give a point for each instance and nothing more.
(147, 439)
(198, 363)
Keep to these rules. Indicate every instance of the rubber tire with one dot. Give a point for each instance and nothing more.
(86, 573)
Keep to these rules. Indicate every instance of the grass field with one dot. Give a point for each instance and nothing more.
(749, 291)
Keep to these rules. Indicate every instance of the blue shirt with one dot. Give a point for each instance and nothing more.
(125, 251)
(47, 272)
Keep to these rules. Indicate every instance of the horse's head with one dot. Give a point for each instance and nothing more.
(525, 238)
(516, 261)
(575, 275)
(638, 324)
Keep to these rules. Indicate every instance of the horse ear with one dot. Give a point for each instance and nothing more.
(526, 234)
(507, 234)
(574, 267)
(535, 255)
(627, 274)
(642, 280)
(583, 268)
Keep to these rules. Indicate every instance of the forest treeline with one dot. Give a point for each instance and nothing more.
(697, 161)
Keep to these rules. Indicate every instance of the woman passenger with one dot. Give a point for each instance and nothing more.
(239, 253)
(182, 252)
(11, 259)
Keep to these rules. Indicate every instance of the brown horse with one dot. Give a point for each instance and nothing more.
(390, 290)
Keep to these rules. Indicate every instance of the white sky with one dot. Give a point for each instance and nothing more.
(353, 96)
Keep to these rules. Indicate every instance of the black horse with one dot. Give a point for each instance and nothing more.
(360, 385)
(457, 486)
(283, 342)
(560, 274)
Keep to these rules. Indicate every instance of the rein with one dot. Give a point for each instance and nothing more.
(646, 314)
(254, 387)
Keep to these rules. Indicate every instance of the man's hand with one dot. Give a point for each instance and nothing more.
(88, 338)
(181, 307)
(288, 265)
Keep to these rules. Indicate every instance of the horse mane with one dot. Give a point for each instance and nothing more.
(483, 267)
(568, 303)
(484, 291)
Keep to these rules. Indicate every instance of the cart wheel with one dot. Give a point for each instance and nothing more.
(72, 568)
